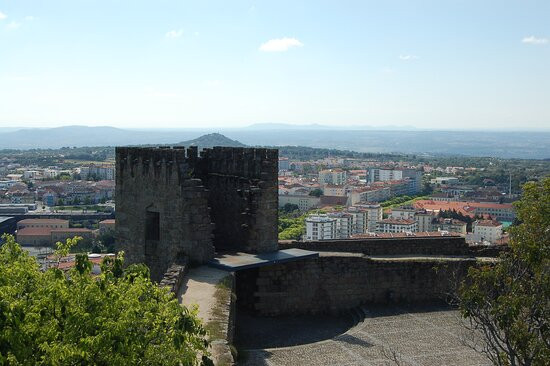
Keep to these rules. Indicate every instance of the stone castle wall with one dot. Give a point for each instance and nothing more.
(224, 199)
(243, 197)
(443, 245)
(339, 281)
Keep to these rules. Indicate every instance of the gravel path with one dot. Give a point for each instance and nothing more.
(199, 287)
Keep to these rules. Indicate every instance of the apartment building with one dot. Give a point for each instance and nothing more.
(344, 224)
(320, 227)
(407, 213)
(424, 220)
(304, 203)
(396, 226)
(332, 176)
(487, 230)
(374, 213)
(450, 225)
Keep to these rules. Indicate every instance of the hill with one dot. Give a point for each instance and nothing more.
(211, 140)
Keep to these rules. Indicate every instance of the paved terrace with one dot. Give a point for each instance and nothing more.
(210, 289)
(387, 336)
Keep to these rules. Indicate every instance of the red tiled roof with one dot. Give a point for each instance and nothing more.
(334, 200)
(492, 223)
(397, 221)
(43, 221)
(442, 220)
(463, 207)
(71, 230)
(34, 231)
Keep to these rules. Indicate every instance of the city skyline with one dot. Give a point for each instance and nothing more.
(217, 65)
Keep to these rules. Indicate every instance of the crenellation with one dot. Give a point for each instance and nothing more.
(219, 199)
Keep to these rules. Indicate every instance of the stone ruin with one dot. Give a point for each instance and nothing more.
(175, 203)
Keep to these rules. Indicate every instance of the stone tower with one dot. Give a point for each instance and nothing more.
(171, 202)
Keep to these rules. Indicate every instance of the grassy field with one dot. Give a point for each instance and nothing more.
(81, 208)
(88, 162)
(404, 203)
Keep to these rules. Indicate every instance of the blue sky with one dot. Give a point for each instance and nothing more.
(145, 64)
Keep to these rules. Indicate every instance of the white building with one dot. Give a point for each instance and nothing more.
(396, 226)
(284, 164)
(332, 176)
(344, 224)
(487, 230)
(334, 190)
(31, 174)
(450, 225)
(445, 180)
(360, 219)
(320, 227)
(374, 214)
(403, 213)
(388, 174)
(304, 203)
(50, 173)
(384, 174)
(106, 172)
(424, 221)
(369, 194)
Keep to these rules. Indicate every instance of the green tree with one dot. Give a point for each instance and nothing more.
(290, 207)
(427, 188)
(105, 242)
(117, 318)
(509, 302)
(64, 176)
(317, 192)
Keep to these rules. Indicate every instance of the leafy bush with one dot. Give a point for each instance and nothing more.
(117, 318)
(509, 302)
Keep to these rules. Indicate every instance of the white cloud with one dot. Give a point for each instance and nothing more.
(3, 16)
(280, 44)
(13, 25)
(408, 57)
(29, 18)
(174, 33)
(534, 40)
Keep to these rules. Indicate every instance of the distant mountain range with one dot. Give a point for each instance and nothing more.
(530, 145)
(87, 136)
(317, 126)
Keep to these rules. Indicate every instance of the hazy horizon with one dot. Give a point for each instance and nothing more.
(280, 125)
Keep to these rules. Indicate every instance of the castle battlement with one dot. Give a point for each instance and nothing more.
(173, 202)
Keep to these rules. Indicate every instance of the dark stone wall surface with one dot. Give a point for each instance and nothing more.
(339, 281)
(243, 197)
(161, 180)
(444, 245)
(224, 199)
(174, 275)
